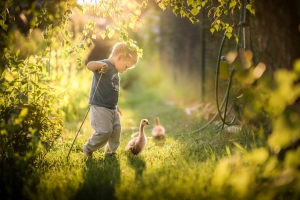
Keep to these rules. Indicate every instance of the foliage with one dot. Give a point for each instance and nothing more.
(205, 165)
(120, 15)
(27, 133)
(26, 82)
(30, 96)
(29, 80)
(29, 124)
(62, 43)
(218, 9)
(32, 79)
(270, 100)
(26, 16)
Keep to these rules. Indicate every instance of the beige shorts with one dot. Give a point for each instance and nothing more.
(107, 130)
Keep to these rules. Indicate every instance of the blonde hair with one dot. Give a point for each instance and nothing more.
(127, 51)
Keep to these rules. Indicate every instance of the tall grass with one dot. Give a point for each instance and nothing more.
(202, 165)
(182, 168)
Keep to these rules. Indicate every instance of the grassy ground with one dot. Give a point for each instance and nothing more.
(187, 166)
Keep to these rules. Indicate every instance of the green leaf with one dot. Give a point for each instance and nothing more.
(236, 39)
(228, 150)
(195, 11)
(217, 27)
(162, 6)
(133, 19)
(3, 25)
(297, 66)
(35, 84)
(3, 74)
(239, 147)
(21, 116)
(259, 155)
(131, 25)
(85, 32)
(17, 53)
(144, 4)
(183, 14)
(228, 35)
(249, 7)
(232, 4)
(33, 72)
(23, 112)
(111, 33)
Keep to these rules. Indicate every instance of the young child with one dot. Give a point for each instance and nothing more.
(104, 111)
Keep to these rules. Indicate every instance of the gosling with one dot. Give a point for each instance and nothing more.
(158, 131)
(137, 144)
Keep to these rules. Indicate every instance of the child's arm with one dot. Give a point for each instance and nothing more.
(119, 111)
(97, 65)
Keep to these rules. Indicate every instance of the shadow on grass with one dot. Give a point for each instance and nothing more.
(138, 164)
(101, 177)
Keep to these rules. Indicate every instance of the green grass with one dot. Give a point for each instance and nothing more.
(205, 165)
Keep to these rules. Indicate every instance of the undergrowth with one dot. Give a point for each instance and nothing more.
(204, 165)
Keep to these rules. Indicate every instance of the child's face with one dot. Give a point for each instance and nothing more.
(122, 64)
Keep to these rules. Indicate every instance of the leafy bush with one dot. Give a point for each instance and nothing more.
(25, 129)
(272, 102)
(28, 122)
(27, 133)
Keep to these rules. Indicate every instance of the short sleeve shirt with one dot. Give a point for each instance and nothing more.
(107, 92)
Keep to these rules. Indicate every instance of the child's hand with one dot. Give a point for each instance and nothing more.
(104, 69)
(119, 111)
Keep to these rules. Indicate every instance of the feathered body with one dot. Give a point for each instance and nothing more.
(158, 131)
(137, 144)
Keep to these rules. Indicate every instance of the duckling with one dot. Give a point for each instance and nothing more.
(158, 133)
(137, 144)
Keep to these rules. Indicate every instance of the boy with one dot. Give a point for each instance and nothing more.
(104, 111)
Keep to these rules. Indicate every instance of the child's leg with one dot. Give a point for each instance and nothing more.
(101, 119)
(114, 140)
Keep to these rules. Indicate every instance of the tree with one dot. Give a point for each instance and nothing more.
(278, 33)
(269, 80)
(276, 25)
(26, 16)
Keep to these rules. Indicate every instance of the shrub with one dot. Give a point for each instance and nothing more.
(27, 133)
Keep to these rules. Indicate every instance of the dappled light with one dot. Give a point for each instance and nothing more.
(210, 110)
(247, 62)
(259, 70)
(231, 56)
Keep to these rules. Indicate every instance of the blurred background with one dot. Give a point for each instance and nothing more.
(178, 63)
(179, 57)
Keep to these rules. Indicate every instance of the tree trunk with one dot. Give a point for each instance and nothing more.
(277, 27)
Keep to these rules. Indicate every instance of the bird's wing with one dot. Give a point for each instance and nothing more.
(131, 143)
(134, 134)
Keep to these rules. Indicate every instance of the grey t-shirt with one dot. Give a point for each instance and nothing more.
(107, 94)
